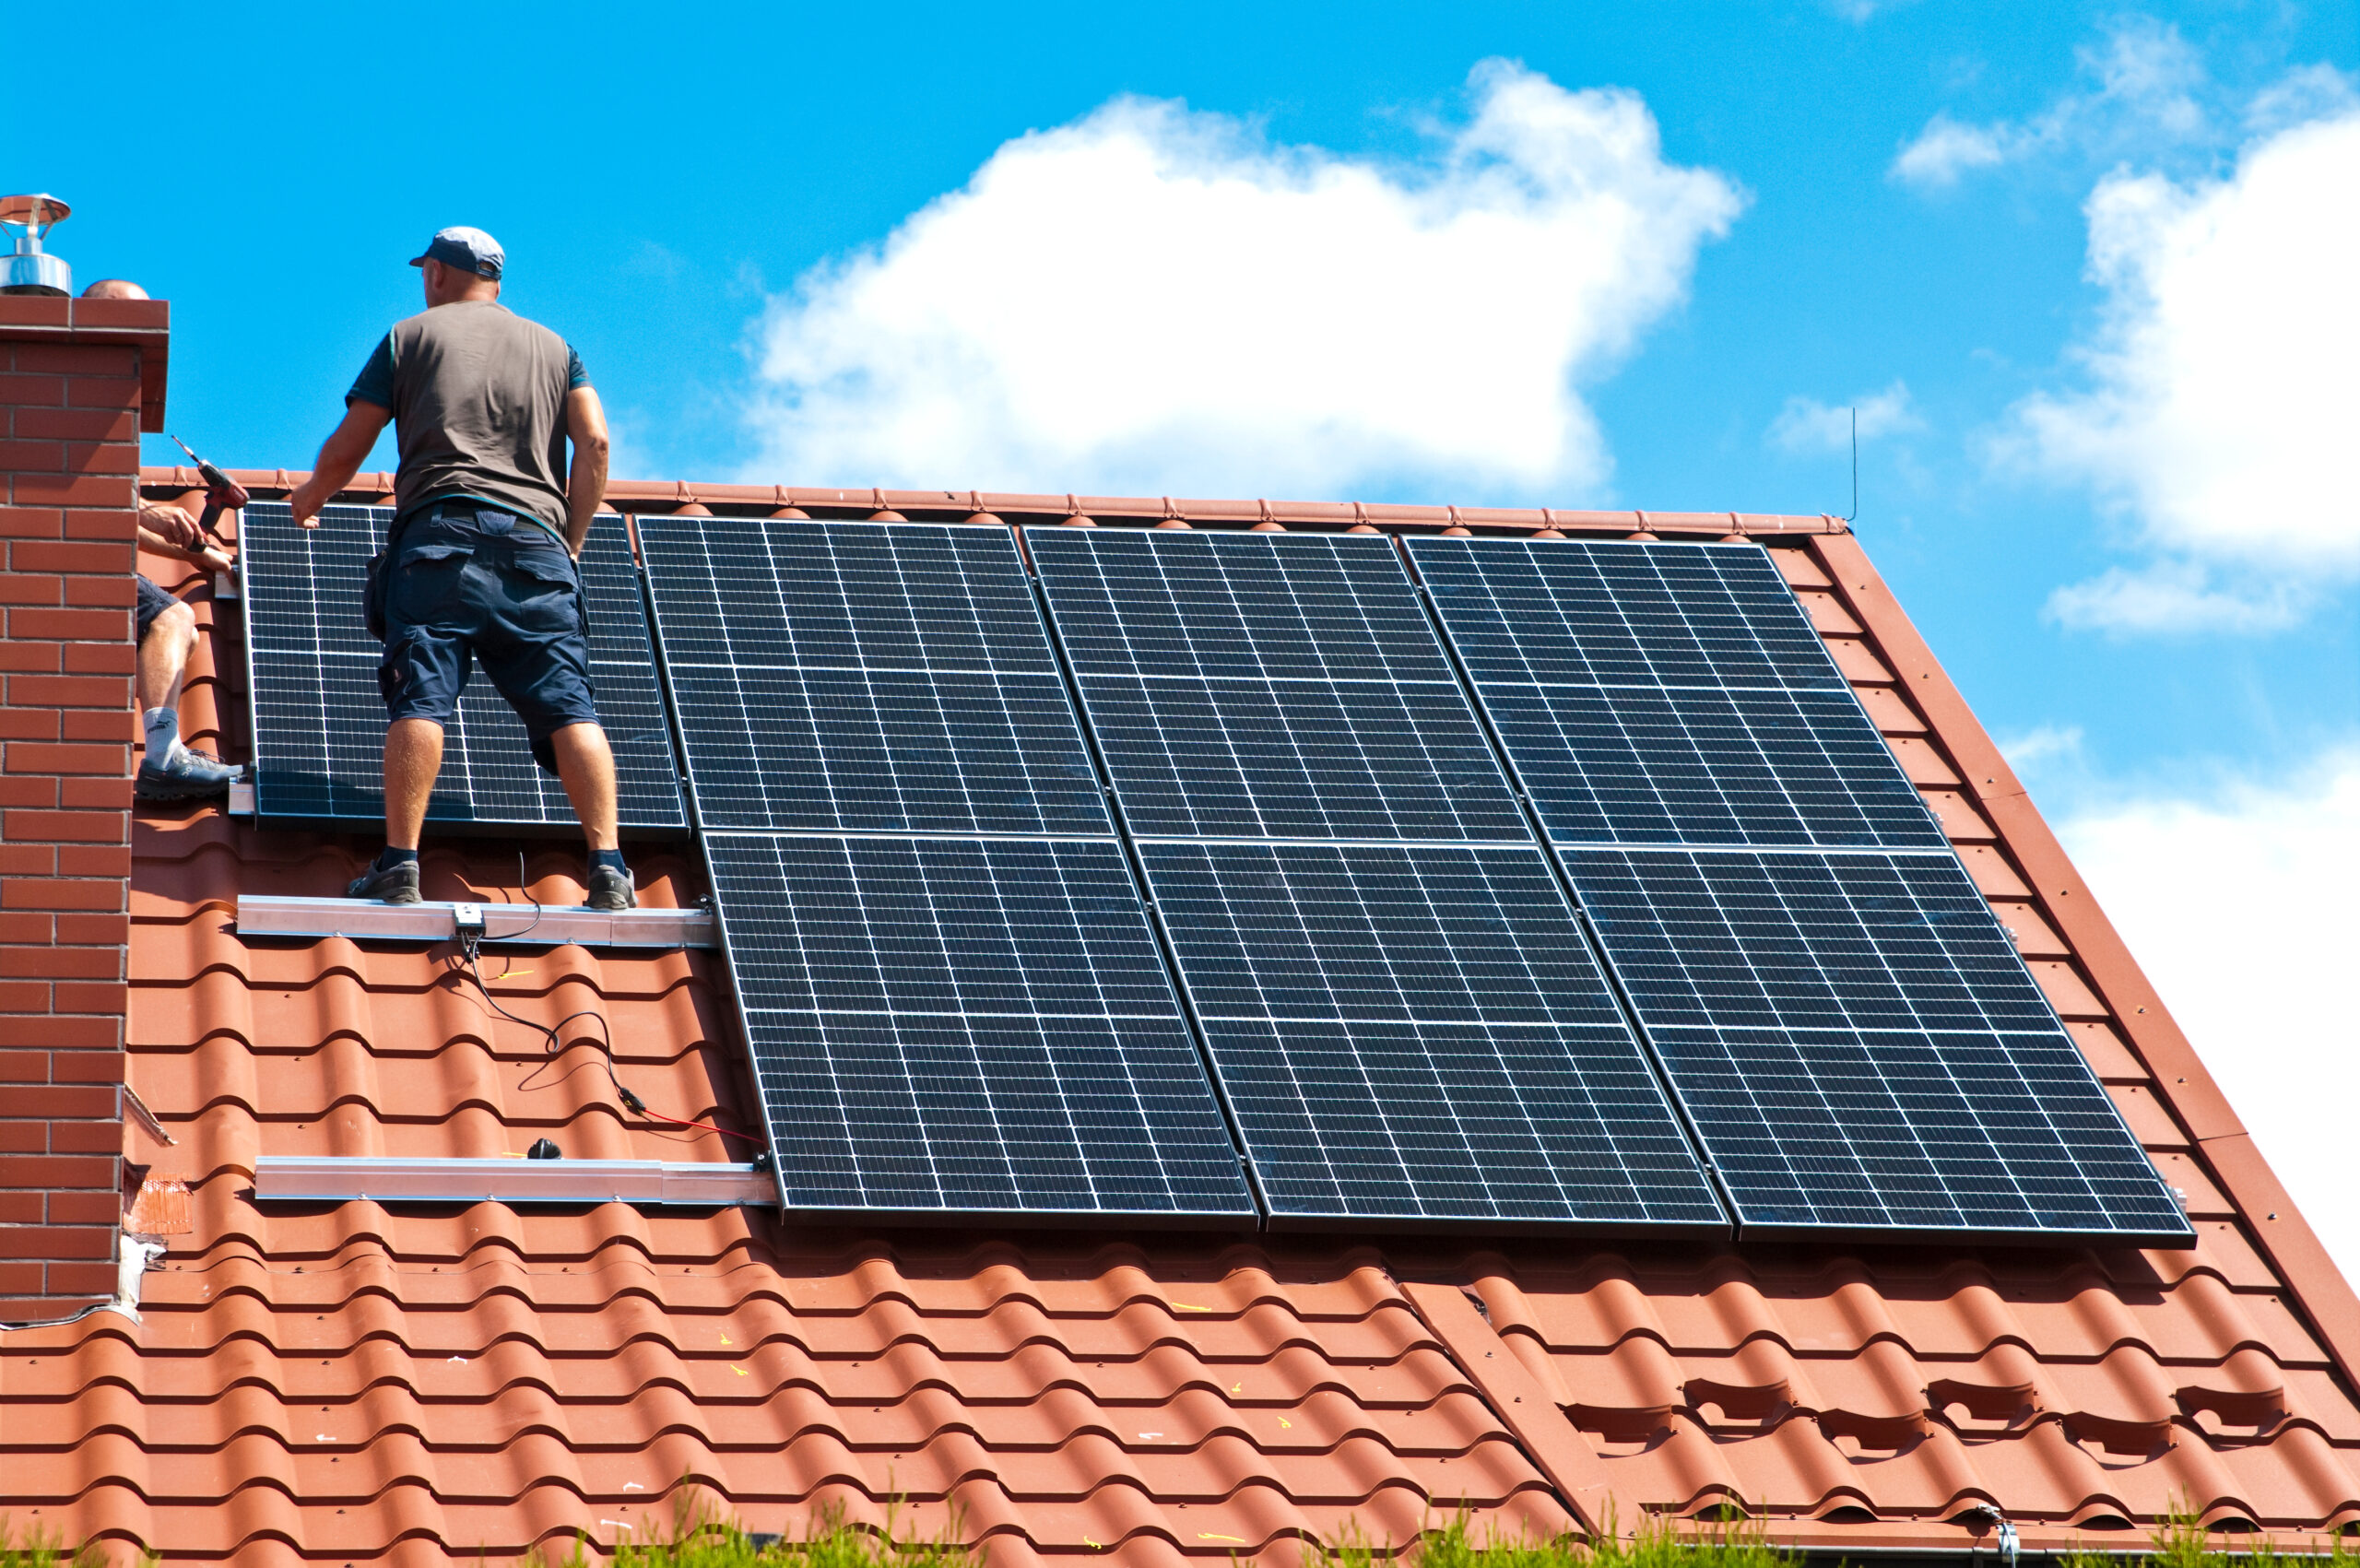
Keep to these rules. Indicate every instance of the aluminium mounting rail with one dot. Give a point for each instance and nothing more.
(545, 925)
(299, 1178)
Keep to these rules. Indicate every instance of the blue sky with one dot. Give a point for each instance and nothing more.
(2071, 261)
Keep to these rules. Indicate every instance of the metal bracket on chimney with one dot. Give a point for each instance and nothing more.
(299, 1178)
(535, 924)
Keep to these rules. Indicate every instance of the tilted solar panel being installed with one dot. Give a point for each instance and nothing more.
(954, 1001)
(1406, 1020)
(1852, 1033)
(319, 720)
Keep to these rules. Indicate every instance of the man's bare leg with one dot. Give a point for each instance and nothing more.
(163, 657)
(586, 764)
(413, 760)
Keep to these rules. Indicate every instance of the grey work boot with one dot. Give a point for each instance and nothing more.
(190, 776)
(389, 884)
(610, 888)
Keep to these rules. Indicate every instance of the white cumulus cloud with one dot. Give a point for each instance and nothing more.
(2220, 407)
(2147, 90)
(1805, 424)
(1154, 299)
(1945, 149)
(2238, 906)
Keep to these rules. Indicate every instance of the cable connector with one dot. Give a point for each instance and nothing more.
(638, 1105)
(466, 925)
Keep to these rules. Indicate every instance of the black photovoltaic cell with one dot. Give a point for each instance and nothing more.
(973, 1026)
(1859, 1046)
(1667, 693)
(320, 722)
(1417, 1032)
(864, 677)
(1269, 686)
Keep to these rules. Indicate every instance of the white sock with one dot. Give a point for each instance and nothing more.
(163, 726)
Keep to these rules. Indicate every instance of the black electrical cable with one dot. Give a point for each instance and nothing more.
(469, 944)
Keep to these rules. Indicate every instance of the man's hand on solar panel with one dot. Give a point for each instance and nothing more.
(341, 456)
(482, 563)
(170, 770)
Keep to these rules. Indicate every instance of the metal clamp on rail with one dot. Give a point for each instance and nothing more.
(536, 924)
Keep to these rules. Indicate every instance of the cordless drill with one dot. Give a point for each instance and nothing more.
(221, 492)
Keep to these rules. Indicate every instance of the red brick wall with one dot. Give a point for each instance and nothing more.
(70, 414)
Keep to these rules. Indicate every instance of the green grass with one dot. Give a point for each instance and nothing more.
(700, 1535)
(1659, 1543)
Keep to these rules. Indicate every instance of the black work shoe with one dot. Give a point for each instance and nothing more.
(610, 888)
(391, 884)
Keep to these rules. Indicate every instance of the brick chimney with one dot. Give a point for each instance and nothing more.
(80, 379)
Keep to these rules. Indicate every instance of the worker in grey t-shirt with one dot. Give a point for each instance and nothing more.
(481, 563)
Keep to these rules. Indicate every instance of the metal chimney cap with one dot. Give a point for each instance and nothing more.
(42, 211)
(27, 269)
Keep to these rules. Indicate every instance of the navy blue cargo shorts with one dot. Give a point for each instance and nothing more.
(466, 584)
(153, 602)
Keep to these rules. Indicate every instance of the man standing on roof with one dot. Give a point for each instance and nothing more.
(482, 561)
(167, 636)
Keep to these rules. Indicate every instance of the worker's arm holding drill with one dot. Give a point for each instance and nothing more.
(170, 531)
(343, 452)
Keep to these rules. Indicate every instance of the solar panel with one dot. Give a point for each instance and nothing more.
(1403, 1015)
(320, 722)
(1667, 693)
(1269, 686)
(1851, 1033)
(1410, 1032)
(983, 1026)
(1860, 1046)
(864, 677)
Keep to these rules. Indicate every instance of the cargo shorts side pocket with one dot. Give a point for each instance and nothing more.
(546, 597)
(424, 585)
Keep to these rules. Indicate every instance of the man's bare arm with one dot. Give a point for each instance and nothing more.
(340, 458)
(170, 531)
(586, 485)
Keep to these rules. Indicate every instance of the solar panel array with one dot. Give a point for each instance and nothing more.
(1851, 1032)
(1405, 1019)
(954, 1000)
(1310, 923)
(319, 720)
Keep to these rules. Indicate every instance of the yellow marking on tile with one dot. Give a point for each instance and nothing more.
(1207, 1535)
(740, 1371)
(1189, 1306)
(1283, 1422)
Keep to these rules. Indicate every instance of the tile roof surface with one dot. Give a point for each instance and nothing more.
(417, 1384)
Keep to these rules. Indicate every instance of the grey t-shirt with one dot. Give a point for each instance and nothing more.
(477, 395)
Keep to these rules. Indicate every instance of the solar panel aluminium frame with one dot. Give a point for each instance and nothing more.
(654, 802)
(1565, 854)
(1248, 1213)
(1525, 843)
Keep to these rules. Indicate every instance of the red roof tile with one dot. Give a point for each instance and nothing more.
(411, 1385)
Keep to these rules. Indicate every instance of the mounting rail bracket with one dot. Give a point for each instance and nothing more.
(303, 1178)
(546, 926)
